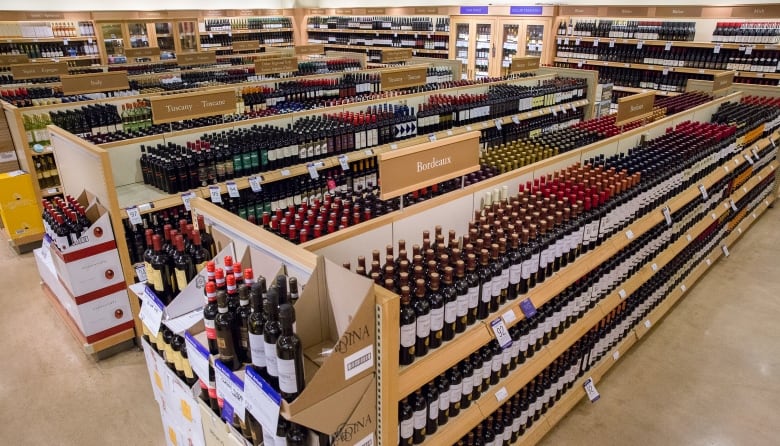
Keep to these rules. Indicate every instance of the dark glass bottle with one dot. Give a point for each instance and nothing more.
(449, 293)
(161, 272)
(225, 342)
(243, 312)
(271, 333)
(209, 315)
(420, 407)
(289, 352)
(408, 323)
(422, 310)
(436, 301)
(256, 326)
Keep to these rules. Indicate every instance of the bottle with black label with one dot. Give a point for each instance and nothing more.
(289, 352)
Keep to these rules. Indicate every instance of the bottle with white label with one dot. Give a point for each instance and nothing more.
(436, 301)
(432, 397)
(256, 326)
(289, 352)
(408, 321)
(406, 423)
(420, 417)
(271, 332)
(422, 309)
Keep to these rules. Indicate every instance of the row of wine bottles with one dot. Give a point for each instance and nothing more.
(379, 23)
(629, 29)
(65, 221)
(415, 41)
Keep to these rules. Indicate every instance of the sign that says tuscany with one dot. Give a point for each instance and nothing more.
(178, 108)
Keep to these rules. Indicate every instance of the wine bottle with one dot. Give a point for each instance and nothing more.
(289, 352)
(224, 326)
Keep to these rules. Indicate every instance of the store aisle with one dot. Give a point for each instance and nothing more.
(709, 373)
(51, 392)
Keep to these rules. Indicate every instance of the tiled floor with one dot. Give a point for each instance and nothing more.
(709, 374)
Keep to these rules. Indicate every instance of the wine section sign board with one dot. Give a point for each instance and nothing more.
(94, 82)
(634, 107)
(525, 63)
(403, 77)
(412, 168)
(191, 106)
(38, 70)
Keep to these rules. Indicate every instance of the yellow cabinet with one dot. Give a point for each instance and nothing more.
(19, 207)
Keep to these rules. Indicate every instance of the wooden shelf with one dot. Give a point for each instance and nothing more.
(644, 90)
(65, 58)
(675, 43)
(247, 31)
(639, 66)
(377, 32)
(45, 39)
(370, 47)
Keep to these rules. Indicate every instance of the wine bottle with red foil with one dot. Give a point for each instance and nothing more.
(224, 323)
(210, 312)
(162, 275)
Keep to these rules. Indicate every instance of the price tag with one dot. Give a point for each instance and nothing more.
(654, 267)
(667, 215)
(432, 137)
(312, 171)
(640, 44)
(501, 333)
(577, 41)
(134, 215)
(262, 400)
(231, 390)
(733, 206)
(254, 183)
(622, 294)
(499, 124)
(749, 50)
(703, 191)
(516, 119)
(754, 215)
(648, 324)
(344, 161)
(744, 189)
(185, 198)
(579, 63)
(754, 151)
(232, 189)
(683, 288)
(468, 128)
(449, 133)
(216, 196)
(709, 262)
(616, 355)
(716, 49)
(714, 216)
(198, 356)
(285, 172)
(369, 152)
(140, 272)
(501, 394)
(612, 43)
(688, 237)
(393, 146)
(528, 308)
(726, 168)
(630, 234)
(739, 230)
(590, 389)
(772, 140)
(595, 42)
(554, 113)
(509, 317)
(65, 42)
(748, 159)
(89, 41)
(151, 311)
(668, 46)
(666, 71)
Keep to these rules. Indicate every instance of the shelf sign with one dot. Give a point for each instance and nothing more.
(142, 52)
(528, 308)
(592, 11)
(525, 10)
(396, 55)
(757, 11)
(305, 50)
(376, 11)
(276, 65)
(94, 82)
(13, 59)
(191, 106)
(403, 78)
(678, 11)
(634, 107)
(526, 63)
(45, 15)
(429, 10)
(623, 11)
(722, 81)
(412, 168)
(317, 12)
(246, 45)
(38, 70)
(473, 10)
(201, 58)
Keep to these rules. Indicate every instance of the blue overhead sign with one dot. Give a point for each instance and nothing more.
(525, 10)
(472, 10)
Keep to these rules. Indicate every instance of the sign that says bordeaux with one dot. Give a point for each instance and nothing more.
(38, 70)
(276, 65)
(413, 168)
(526, 63)
(399, 55)
(634, 107)
(13, 59)
(94, 82)
(403, 78)
(142, 52)
(722, 81)
(202, 58)
(191, 106)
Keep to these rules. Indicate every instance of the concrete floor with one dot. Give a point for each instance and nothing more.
(709, 374)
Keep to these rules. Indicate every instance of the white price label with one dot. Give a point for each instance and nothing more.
(216, 196)
(232, 189)
(616, 355)
(716, 49)
(726, 168)
(516, 119)
(509, 316)
(254, 183)
(198, 356)
(688, 237)
(622, 294)
(654, 267)
(754, 151)
(714, 216)
(449, 133)
(668, 46)
(313, 171)
(612, 43)
(501, 333)
(185, 198)
(703, 191)
(151, 311)
(595, 42)
(709, 262)
(134, 215)
(749, 159)
(754, 215)
(555, 113)
(739, 230)
(65, 42)
(140, 272)
(468, 128)
(667, 215)
(666, 71)
(579, 63)
(499, 124)
(432, 137)
(393, 146)
(590, 389)
(231, 390)
(648, 324)
(344, 161)
(733, 206)
(640, 44)
(577, 41)
(262, 401)
(683, 288)
(749, 50)
(285, 172)
(630, 234)
(369, 152)
(501, 394)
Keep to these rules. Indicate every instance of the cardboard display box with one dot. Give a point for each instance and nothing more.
(19, 206)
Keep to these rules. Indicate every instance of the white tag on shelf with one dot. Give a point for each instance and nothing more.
(595, 42)
(654, 267)
(630, 234)
(622, 294)
(134, 215)
(449, 133)
(726, 168)
(555, 113)
(468, 128)
(744, 189)
(709, 262)
(666, 71)
(739, 230)
(716, 49)
(703, 191)
(668, 46)
(185, 198)
(667, 215)
(230, 389)
(754, 151)
(151, 311)
(714, 216)
(216, 196)
(566, 41)
(516, 119)
(640, 44)
(312, 171)
(648, 324)
(749, 50)
(683, 288)
(577, 41)
(590, 390)
(772, 140)
(612, 43)
(579, 63)
(262, 401)
(198, 356)
(232, 189)
(65, 42)
(140, 272)
(369, 152)
(688, 237)
(501, 333)
(501, 394)
(616, 355)
(254, 183)
(509, 316)
(733, 206)
(754, 215)
(344, 161)
(285, 172)
(432, 137)
(749, 159)
(499, 124)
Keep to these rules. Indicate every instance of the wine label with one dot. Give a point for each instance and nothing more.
(181, 279)
(487, 291)
(270, 358)
(444, 400)
(437, 319)
(456, 391)
(407, 428)
(473, 297)
(433, 409)
(451, 312)
(211, 329)
(424, 326)
(467, 386)
(257, 350)
(287, 375)
(408, 335)
(419, 419)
